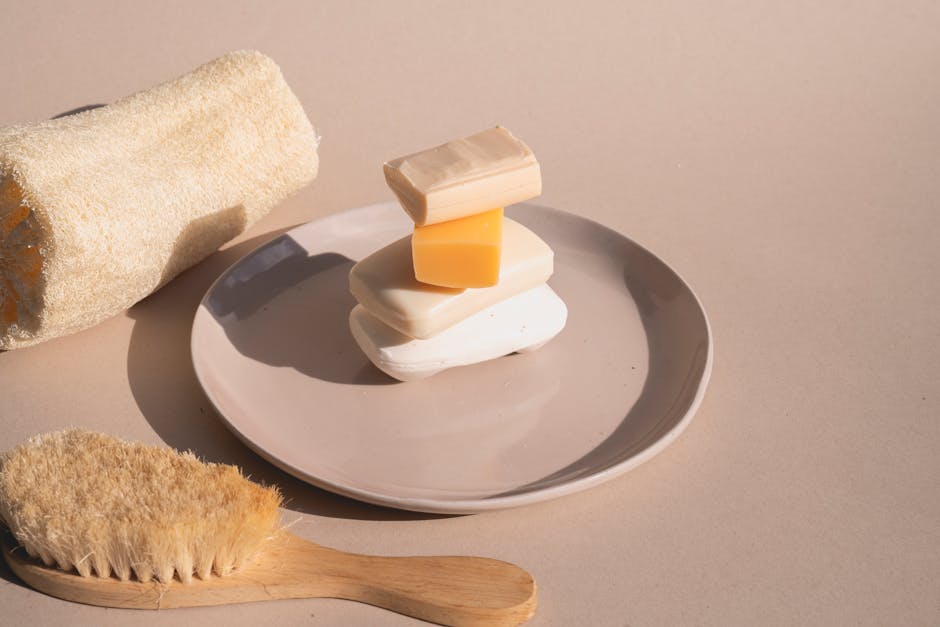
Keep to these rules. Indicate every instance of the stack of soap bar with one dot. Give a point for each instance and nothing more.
(468, 285)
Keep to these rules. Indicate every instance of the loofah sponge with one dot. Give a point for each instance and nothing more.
(101, 208)
(91, 502)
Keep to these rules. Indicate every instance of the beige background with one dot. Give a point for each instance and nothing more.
(783, 157)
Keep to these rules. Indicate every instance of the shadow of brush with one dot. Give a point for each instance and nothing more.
(5, 573)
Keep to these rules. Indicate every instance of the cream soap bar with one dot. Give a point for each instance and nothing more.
(521, 323)
(464, 177)
(384, 283)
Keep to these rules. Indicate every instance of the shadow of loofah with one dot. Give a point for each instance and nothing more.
(164, 384)
(81, 109)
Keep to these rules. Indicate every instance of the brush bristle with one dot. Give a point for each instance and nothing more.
(99, 505)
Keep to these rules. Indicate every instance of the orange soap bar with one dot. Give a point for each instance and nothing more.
(459, 253)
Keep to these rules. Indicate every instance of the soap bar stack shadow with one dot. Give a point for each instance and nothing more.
(468, 285)
(100, 208)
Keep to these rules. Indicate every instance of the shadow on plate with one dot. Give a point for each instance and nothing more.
(164, 385)
(307, 300)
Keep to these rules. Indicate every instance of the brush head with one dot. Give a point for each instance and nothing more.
(91, 502)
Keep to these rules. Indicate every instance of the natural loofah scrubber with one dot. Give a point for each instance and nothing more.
(91, 502)
(100, 208)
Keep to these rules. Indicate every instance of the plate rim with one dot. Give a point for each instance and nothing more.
(465, 505)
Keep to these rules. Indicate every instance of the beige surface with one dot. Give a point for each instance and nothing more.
(784, 159)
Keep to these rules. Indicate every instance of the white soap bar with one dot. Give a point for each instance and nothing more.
(384, 283)
(519, 324)
(465, 176)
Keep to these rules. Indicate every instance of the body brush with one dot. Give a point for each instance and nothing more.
(97, 520)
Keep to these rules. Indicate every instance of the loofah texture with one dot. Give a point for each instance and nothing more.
(100, 208)
(94, 503)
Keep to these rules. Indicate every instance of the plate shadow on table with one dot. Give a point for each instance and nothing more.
(164, 385)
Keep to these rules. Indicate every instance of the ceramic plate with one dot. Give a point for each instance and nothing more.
(272, 349)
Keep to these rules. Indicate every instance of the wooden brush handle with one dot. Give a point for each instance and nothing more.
(448, 590)
(445, 590)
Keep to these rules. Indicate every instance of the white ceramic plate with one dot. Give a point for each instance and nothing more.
(272, 349)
